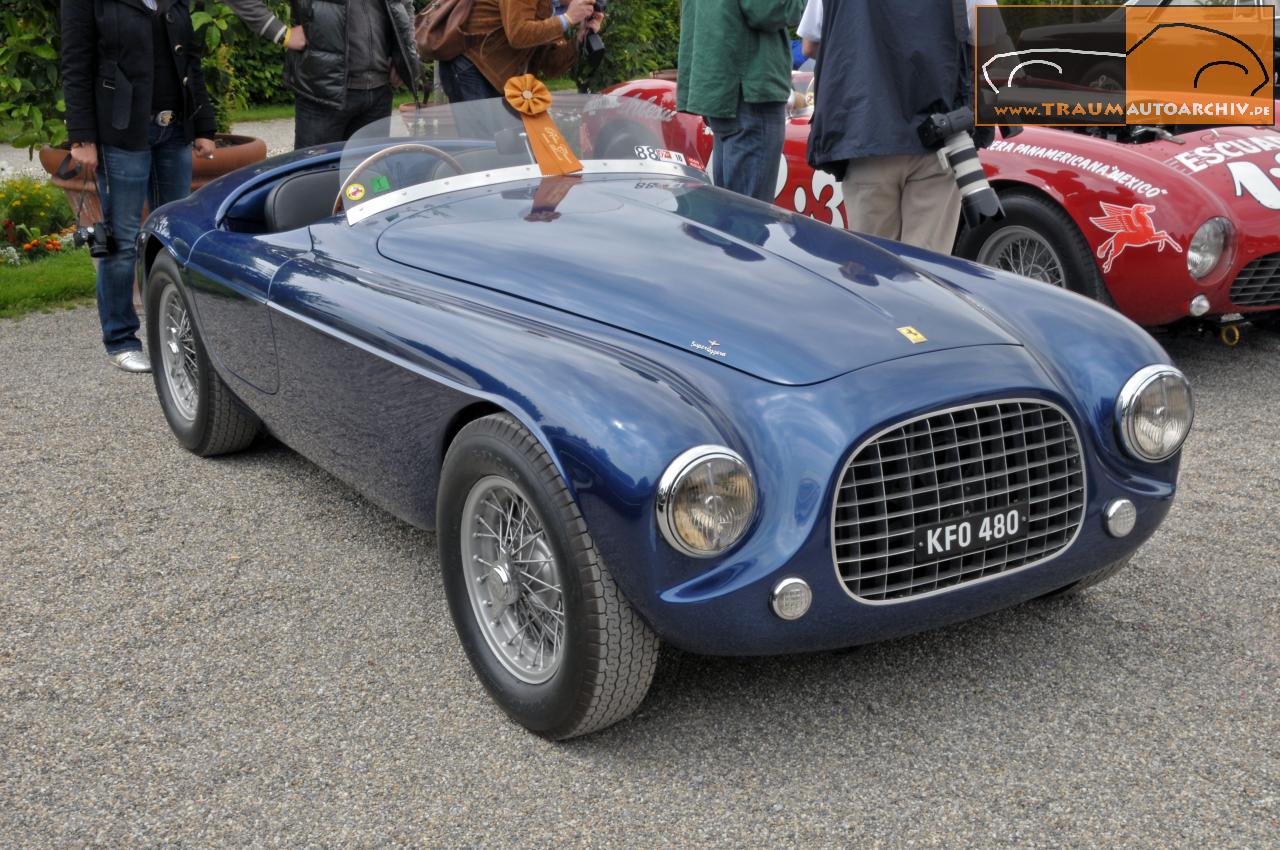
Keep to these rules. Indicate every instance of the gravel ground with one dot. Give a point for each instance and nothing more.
(243, 652)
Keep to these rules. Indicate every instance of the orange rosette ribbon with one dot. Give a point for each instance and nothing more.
(531, 98)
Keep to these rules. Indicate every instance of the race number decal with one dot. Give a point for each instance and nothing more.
(660, 155)
(1250, 178)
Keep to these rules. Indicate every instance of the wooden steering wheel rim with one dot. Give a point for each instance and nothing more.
(386, 152)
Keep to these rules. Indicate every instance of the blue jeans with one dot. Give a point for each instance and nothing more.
(462, 82)
(748, 148)
(126, 181)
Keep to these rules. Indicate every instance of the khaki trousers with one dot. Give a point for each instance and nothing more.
(911, 198)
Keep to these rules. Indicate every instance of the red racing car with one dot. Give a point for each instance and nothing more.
(1166, 223)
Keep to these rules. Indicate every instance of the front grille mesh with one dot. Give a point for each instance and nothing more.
(947, 466)
(1258, 284)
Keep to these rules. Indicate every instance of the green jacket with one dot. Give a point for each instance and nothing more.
(732, 46)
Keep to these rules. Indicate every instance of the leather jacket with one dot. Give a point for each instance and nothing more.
(319, 72)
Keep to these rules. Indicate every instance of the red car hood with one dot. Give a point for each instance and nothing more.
(1240, 165)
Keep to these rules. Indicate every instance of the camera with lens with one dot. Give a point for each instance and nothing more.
(592, 48)
(97, 236)
(948, 132)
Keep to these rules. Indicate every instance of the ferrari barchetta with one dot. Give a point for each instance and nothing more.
(637, 408)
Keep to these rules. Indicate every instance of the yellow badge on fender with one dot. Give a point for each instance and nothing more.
(912, 334)
(355, 192)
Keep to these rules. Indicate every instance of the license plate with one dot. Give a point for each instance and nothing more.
(968, 534)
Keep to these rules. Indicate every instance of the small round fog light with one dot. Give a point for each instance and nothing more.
(790, 598)
(1120, 517)
(1199, 305)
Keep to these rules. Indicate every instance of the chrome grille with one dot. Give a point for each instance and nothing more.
(949, 465)
(1258, 284)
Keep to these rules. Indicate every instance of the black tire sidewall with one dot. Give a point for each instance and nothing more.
(190, 432)
(1024, 210)
(548, 707)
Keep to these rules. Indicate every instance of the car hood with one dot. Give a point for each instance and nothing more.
(726, 278)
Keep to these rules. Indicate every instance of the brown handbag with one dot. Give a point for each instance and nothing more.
(438, 29)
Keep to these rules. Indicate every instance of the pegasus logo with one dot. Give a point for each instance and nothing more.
(710, 347)
(1130, 227)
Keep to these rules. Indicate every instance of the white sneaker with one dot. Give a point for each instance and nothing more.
(131, 361)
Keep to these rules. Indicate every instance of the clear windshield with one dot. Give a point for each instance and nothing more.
(421, 152)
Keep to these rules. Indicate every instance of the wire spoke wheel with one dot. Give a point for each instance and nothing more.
(178, 353)
(1022, 251)
(513, 579)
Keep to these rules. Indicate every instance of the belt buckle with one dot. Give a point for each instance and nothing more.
(164, 118)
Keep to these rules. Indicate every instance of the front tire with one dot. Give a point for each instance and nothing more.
(1036, 239)
(203, 413)
(544, 625)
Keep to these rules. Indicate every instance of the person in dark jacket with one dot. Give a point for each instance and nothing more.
(882, 70)
(342, 60)
(135, 105)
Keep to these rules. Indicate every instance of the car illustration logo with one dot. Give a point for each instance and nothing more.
(1130, 227)
(912, 334)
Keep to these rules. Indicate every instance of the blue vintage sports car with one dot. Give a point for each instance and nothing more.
(637, 408)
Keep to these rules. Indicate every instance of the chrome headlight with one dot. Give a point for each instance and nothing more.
(1154, 412)
(705, 501)
(1207, 246)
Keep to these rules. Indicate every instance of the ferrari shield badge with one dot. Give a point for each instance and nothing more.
(912, 334)
(1130, 227)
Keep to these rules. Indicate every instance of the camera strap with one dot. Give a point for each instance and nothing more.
(104, 196)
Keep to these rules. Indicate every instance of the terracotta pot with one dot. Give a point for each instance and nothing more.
(233, 152)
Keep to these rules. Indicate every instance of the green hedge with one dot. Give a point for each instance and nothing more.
(640, 36)
(242, 68)
(30, 92)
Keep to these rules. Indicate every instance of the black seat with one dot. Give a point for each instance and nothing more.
(482, 160)
(301, 199)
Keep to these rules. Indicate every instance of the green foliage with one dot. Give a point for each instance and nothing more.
(32, 203)
(241, 67)
(640, 36)
(31, 103)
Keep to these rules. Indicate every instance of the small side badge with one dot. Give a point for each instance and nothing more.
(912, 334)
(711, 346)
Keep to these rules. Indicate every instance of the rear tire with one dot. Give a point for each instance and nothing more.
(1036, 239)
(517, 562)
(203, 413)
